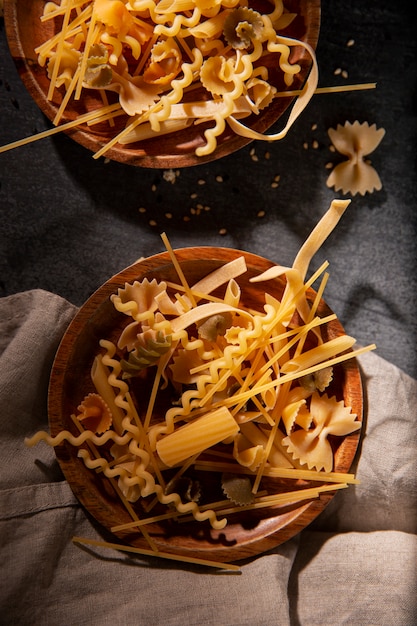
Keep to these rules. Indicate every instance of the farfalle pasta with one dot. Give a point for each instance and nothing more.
(355, 141)
(156, 55)
(198, 386)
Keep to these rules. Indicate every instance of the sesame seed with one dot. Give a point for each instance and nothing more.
(219, 178)
(170, 176)
(261, 214)
(332, 148)
(305, 145)
(142, 209)
(328, 166)
(222, 231)
(277, 178)
(255, 158)
(337, 71)
(201, 181)
(267, 155)
(168, 215)
(153, 188)
(193, 196)
(192, 211)
(152, 223)
(344, 74)
(252, 151)
(200, 206)
(350, 43)
(314, 127)
(315, 144)
(186, 218)
(207, 208)
(274, 185)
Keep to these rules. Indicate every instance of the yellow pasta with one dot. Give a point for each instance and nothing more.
(195, 437)
(174, 45)
(198, 382)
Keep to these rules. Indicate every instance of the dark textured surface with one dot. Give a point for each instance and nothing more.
(69, 222)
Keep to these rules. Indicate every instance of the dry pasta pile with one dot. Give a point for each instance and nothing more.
(173, 63)
(199, 385)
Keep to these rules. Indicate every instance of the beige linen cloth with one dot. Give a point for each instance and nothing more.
(356, 565)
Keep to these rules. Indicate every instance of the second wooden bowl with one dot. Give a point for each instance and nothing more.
(248, 533)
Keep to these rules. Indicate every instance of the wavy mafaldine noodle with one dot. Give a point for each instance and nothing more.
(114, 380)
(77, 440)
(151, 487)
(178, 22)
(178, 85)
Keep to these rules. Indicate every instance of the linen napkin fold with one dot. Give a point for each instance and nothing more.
(336, 572)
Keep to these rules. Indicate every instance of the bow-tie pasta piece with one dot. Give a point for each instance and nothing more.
(356, 141)
(311, 446)
(94, 413)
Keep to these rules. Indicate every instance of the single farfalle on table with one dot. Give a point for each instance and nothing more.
(356, 174)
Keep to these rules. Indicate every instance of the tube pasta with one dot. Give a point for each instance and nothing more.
(157, 49)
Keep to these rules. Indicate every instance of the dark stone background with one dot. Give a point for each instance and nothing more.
(69, 222)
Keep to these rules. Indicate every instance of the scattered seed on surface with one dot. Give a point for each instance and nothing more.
(261, 214)
(186, 218)
(277, 178)
(153, 188)
(350, 43)
(332, 148)
(170, 176)
(222, 231)
(142, 209)
(267, 155)
(337, 71)
(193, 196)
(201, 181)
(328, 166)
(315, 144)
(274, 185)
(305, 145)
(219, 178)
(152, 223)
(207, 208)
(344, 74)
(314, 127)
(255, 158)
(168, 215)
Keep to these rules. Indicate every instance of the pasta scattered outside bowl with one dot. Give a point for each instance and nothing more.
(174, 84)
(234, 396)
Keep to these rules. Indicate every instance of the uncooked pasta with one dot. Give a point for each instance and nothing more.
(195, 389)
(220, 56)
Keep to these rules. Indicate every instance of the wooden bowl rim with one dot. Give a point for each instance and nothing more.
(275, 529)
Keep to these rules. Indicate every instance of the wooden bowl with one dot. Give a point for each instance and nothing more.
(25, 32)
(246, 534)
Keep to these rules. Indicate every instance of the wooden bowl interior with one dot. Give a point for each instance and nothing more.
(246, 534)
(25, 32)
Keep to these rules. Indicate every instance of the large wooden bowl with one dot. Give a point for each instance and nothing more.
(247, 533)
(25, 32)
